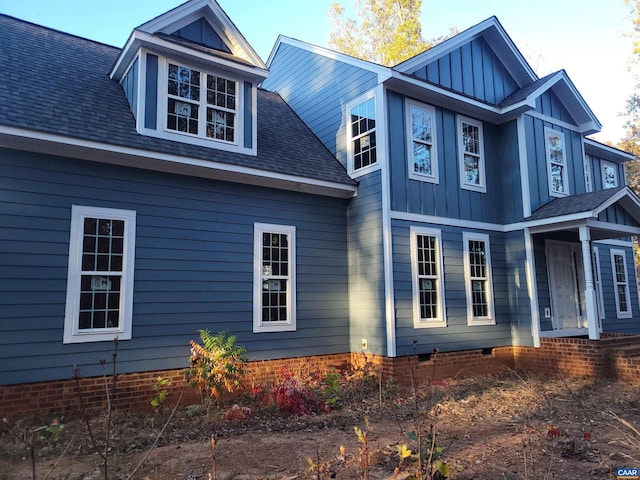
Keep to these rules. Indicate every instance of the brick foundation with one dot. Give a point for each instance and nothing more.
(613, 356)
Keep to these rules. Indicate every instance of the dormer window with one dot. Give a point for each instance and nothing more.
(201, 104)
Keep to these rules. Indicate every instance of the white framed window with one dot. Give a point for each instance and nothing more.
(609, 174)
(274, 280)
(201, 104)
(421, 141)
(621, 284)
(361, 134)
(100, 276)
(471, 155)
(427, 272)
(556, 163)
(477, 276)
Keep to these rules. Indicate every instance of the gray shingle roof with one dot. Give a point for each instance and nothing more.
(584, 202)
(59, 83)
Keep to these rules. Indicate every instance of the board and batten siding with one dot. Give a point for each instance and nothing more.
(366, 267)
(550, 105)
(503, 198)
(130, 86)
(473, 70)
(595, 164)
(193, 267)
(611, 323)
(317, 88)
(537, 160)
(457, 335)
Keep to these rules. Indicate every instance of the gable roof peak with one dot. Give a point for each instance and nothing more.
(494, 34)
(154, 32)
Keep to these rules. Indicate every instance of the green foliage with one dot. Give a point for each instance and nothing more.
(161, 393)
(387, 32)
(331, 389)
(217, 365)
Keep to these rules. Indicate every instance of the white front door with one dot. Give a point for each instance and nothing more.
(564, 264)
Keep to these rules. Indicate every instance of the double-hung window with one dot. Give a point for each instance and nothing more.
(274, 281)
(100, 277)
(477, 272)
(609, 175)
(471, 154)
(361, 133)
(556, 163)
(427, 278)
(621, 284)
(201, 104)
(421, 128)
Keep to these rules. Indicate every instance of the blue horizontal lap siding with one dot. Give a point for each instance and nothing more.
(366, 269)
(447, 198)
(472, 70)
(457, 335)
(193, 269)
(317, 88)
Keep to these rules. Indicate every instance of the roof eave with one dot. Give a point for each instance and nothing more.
(442, 97)
(54, 144)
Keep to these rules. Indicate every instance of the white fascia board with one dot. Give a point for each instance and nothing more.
(47, 143)
(625, 230)
(625, 196)
(593, 147)
(382, 72)
(155, 44)
(173, 15)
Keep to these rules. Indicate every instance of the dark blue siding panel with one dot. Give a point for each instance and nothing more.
(151, 98)
(130, 86)
(248, 115)
(457, 335)
(201, 32)
(193, 268)
(473, 70)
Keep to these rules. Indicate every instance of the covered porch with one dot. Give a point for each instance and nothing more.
(584, 280)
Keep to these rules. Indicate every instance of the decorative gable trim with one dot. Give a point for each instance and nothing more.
(191, 11)
(496, 37)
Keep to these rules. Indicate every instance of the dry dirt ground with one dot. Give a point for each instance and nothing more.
(510, 426)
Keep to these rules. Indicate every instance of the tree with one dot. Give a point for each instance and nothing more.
(387, 31)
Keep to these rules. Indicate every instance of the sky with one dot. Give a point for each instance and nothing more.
(585, 37)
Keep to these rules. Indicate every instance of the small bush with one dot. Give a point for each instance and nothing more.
(217, 365)
(294, 398)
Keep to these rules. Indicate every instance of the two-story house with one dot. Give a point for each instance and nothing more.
(485, 216)
(316, 206)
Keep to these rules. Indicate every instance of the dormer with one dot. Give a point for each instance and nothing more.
(190, 76)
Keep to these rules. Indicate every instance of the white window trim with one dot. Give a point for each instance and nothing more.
(350, 165)
(482, 186)
(441, 320)
(162, 131)
(565, 169)
(72, 334)
(290, 324)
(603, 166)
(628, 313)
(597, 276)
(433, 178)
(489, 319)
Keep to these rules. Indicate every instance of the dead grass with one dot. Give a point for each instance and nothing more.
(509, 426)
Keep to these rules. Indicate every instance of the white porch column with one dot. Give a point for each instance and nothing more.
(590, 292)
